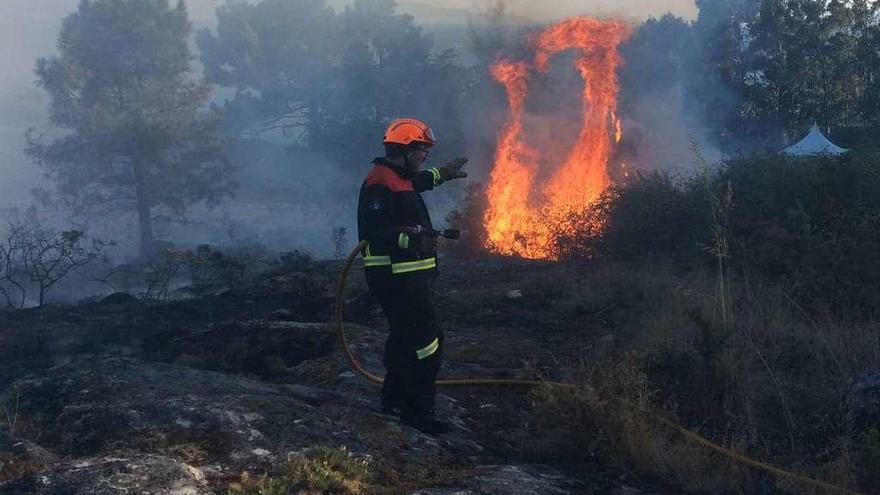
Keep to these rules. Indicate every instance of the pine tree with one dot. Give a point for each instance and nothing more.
(134, 135)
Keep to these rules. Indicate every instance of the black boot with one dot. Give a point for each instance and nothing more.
(390, 396)
(390, 405)
(425, 423)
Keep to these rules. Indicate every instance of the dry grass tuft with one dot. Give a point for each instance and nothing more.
(767, 381)
(315, 471)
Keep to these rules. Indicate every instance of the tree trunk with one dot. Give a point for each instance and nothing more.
(145, 222)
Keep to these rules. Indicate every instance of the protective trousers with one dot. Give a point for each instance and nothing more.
(414, 348)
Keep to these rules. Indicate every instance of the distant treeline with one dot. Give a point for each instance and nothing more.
(757, 73)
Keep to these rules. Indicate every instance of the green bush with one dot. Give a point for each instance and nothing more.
(653, 215)
(811, 223)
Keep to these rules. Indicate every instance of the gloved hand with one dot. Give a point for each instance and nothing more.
(452, 170)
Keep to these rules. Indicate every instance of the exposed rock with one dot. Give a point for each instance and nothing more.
(628, 490)
(99, 405)
(185, 397)
(282, 314)
(510, 480)
(111, 475)
(26, 451)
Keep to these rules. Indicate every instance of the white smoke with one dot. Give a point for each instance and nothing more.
(551, 10)
(29, 30)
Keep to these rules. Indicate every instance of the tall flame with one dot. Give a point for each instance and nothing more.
(522, 216)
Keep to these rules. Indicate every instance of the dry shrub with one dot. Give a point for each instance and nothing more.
(653, 215)
(607, 416)
(768, 383)
(14, 466)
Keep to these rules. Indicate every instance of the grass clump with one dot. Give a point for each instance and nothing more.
(321, 470)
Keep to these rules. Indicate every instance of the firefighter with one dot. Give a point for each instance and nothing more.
(400, 261)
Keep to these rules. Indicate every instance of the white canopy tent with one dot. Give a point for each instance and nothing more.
(815, 143)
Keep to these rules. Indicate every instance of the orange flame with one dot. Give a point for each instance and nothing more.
(523, 216)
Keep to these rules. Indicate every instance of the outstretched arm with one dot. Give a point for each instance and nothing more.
(428, 179)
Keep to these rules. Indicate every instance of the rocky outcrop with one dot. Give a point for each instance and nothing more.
(112, 475)
(109, 424)
(191, 397)
(98, 405)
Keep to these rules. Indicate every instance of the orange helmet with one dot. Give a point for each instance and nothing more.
(406, 131)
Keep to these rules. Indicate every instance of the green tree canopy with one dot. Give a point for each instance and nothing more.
(770, 68)
(133, 133)
(331, 80)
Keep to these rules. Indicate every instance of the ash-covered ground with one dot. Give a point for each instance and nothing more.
(219, 393)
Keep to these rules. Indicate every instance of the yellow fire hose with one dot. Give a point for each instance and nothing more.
(690, 435)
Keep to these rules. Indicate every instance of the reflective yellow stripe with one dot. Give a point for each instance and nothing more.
(428, 349)
(437, 178)
(403, 240)
(377, 260)
(412, 266)
(370, 260)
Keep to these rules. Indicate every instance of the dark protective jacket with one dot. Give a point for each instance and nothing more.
(399, 272)
(388, 201)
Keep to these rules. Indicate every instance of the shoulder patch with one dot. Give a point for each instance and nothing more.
(382, 175)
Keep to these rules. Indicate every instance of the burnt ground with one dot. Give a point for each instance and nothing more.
(122, 396)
